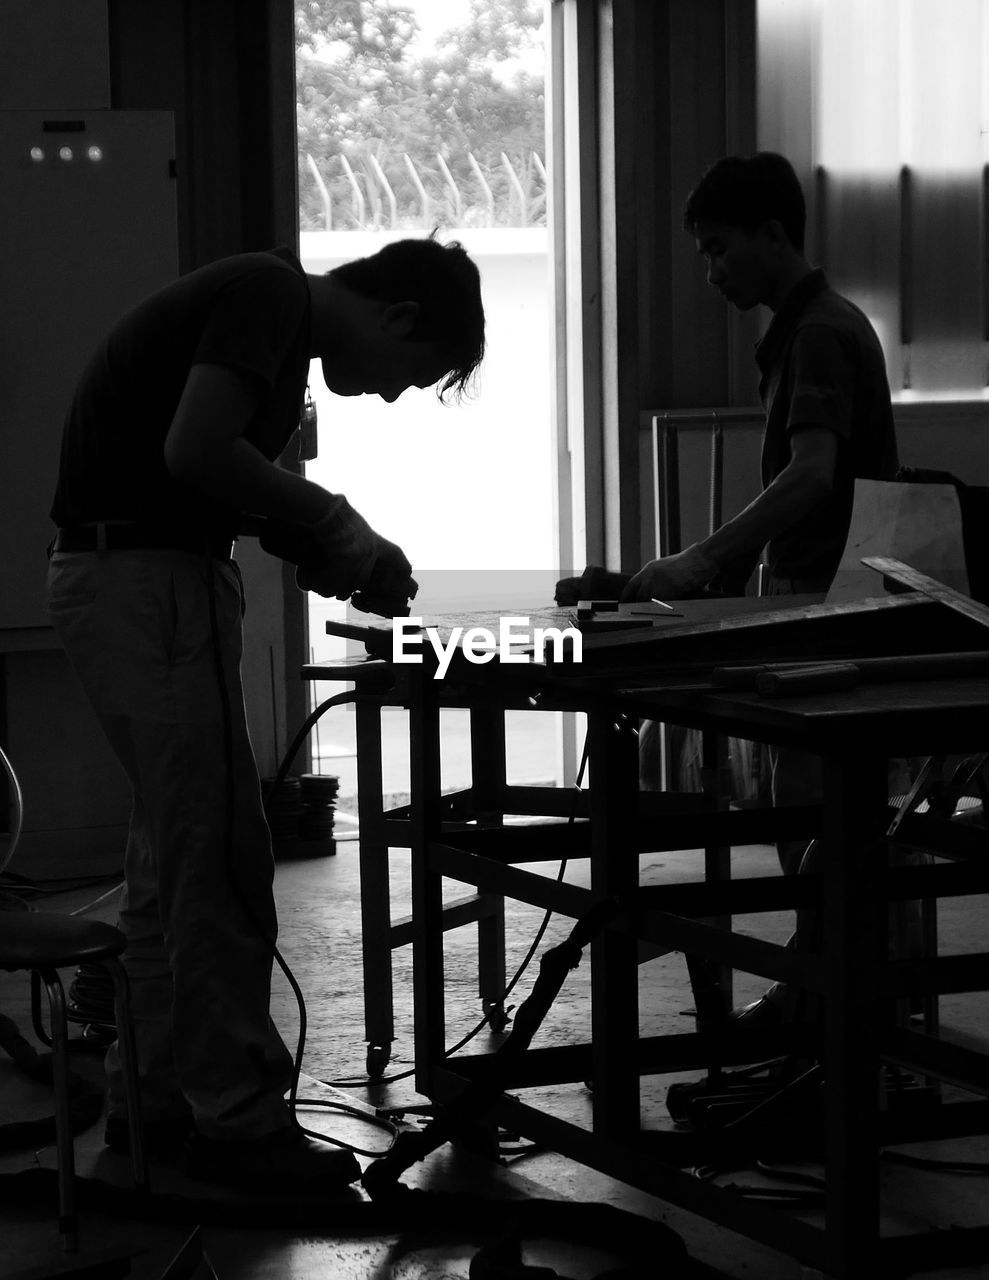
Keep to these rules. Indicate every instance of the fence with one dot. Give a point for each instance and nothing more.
(361, 193)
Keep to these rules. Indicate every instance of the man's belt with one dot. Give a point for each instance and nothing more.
(133, 535)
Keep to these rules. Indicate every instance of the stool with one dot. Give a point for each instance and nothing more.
(42, 943)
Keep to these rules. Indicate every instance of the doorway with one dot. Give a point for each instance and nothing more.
(423, 116)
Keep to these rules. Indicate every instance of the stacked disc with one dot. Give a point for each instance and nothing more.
(283, 808)
(319, 802)
(91, 996)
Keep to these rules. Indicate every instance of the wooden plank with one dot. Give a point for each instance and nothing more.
(908, 576)
(885, 626)
(912, 666)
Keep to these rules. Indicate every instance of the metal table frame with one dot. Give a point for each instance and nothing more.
(853, 736)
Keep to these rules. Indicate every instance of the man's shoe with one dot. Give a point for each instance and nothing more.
(161, 1137)
(284, 1161)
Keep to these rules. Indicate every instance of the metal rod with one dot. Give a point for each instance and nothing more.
(717, 472)
(417, 181)
(379, 173)
(984, 226)
(513, 178)
(359, 206)
(485, 187)
(669, 485)
(458, 204)
(323, 192)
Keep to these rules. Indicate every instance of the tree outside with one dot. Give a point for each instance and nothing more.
(395, 133)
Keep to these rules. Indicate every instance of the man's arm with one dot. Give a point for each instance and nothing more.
(803, 484)
(206, 448)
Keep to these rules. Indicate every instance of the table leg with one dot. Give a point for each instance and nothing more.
(716, 781)
(428, 988)
(614, 796)
(488, 781)
(854, 945)
(487, 760)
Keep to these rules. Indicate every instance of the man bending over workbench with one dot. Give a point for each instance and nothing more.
(170, 440)
(829, 421)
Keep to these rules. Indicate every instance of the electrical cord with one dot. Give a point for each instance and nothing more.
(807, 1188)
(89, 906)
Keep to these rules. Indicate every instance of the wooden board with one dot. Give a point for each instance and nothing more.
(888, 625)
(908, 576)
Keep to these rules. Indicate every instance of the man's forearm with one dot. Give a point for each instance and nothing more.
(238, 475)
(786, 500)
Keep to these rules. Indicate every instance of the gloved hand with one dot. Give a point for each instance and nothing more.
(344, 550)
(384, 573)
(594, 583)
(672, 577)
(568, 591)
(339, 553)
(389, 588)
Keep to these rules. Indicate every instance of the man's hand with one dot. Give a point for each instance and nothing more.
(348, 555)
(594, 583)
(672, 577)
(568, 591)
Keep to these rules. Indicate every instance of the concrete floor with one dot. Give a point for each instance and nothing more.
(320, 939)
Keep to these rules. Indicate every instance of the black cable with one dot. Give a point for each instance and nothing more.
(810, 1190)
(371, 1118)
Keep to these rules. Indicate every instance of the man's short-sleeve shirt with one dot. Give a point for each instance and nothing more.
(822, 366)
(250, 312)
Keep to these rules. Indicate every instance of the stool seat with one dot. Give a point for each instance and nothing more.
(44, 940)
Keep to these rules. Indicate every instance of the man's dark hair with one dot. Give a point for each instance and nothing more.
(746, 191)
(445, 283)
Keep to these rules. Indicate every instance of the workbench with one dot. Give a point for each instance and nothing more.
(623, 679)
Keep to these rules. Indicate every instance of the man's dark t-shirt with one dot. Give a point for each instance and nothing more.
(250, 312)
(822, 365)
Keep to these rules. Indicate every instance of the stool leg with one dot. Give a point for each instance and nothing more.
(36, 1019)
(67, 1224)
(128, 1061)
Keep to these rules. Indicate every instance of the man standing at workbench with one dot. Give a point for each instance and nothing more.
(823, 386)
(829, 420)
(171, 438)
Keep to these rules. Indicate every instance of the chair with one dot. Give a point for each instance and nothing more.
(41, 943)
